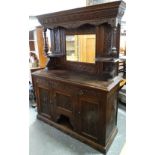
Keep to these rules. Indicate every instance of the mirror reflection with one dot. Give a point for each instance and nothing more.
(81, 48)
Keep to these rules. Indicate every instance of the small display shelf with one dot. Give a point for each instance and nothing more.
(104, 59)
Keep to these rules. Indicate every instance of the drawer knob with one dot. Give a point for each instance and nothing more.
(81, 92)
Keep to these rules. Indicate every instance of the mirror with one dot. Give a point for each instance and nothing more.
(81, 48)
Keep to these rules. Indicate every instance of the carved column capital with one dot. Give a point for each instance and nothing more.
(114, 22)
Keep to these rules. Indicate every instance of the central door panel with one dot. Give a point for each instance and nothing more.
(64, 108)
(64, 104)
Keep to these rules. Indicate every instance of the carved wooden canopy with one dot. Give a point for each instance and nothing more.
(94, 15)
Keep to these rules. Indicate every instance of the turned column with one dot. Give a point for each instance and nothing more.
(113, 52)
(45, 42)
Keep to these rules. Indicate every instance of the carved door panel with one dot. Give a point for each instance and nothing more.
(43, 97)
(64, 106)
(65, 102)
(89, 117)
(44, 101)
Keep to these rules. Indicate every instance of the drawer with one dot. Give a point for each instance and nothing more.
(64, 87)
(87, 92)
(42, 82)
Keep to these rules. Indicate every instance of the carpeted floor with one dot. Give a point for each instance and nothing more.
(46, 140)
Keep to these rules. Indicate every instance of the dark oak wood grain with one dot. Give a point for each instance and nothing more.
(80, 99)
(89, 103)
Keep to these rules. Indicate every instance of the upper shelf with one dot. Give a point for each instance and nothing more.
(95, 15)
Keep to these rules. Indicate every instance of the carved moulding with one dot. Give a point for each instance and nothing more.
(95, 15)
(112, 21)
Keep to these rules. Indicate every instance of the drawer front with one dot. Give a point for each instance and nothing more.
(42, 82)
(89, 93)
(65, 87)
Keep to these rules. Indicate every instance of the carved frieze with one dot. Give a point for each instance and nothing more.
(94, 15)
(81, 67)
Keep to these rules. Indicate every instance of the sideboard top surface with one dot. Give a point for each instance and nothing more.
(78, 78)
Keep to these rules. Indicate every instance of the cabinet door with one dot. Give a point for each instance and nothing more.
(44, 107)
(43, 97)
(89, 116)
